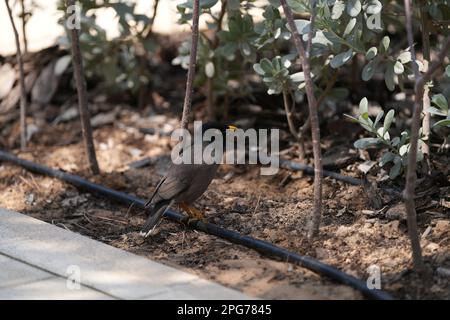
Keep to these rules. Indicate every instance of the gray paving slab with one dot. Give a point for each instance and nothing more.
(118, 273)
(53, 288)
(211, 291)
(15, 273)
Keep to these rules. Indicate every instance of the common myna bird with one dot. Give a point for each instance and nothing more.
(183, 184)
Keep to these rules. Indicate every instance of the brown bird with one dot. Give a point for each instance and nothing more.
(182, 184)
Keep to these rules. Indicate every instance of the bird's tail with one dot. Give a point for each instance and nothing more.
(155, 215)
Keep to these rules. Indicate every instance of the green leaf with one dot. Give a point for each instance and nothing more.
(228, 49)
(395, 170)
(338, 94)
(286, 59)
(398, 67)
(340, 59)
(364, 124)
(388, 121)
(277, 33)
(404, 137)
(354, 8)
(447, 71)
(350, 26)
(440, 101)
(386, 136)
(258, 69)
(266, 65)
(233, 5)
(404, 57)
(395, 141)
(351, 117)
(435, 11)
(275, 3)
(378, 118)
(206, 4)
(442, 123)
(234, 28)
(419, 156)
(297, 77)
(436, 111)
(209, 69)
(363, 106)
(366, 142)
(389, 77)
(245, 49)
(403, 149)
(420, 65)
(370, 69)
(384, 45)
(302, 26)
(276, 63)
(371, 53)
(338, 9)
(385, 158)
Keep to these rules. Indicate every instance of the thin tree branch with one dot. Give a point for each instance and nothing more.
(312, 21)
(191, 71)
(223, 10)
(23, 94)
(289, 116)
(328, 88)
(210, 98)
(330, 84)
(149, 30)
(24, 23)
(312, 104)
(408, 193)
(82, 98)
(426, 122)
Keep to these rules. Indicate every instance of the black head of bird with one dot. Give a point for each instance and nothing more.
(218, 126)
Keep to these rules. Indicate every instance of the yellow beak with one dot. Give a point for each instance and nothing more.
(232, 128)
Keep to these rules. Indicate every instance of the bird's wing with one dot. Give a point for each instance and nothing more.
(154, 192)
(172, 186)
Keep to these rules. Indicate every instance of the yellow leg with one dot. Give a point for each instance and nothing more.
(192, 212)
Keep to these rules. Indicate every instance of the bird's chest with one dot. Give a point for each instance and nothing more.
(201, 178)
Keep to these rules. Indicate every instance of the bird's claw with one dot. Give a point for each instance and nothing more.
(193, 213)
(188, 220)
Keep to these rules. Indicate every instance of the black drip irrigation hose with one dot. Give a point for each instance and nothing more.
(292, 165)
(232, 236)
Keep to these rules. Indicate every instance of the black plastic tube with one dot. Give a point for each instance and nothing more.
(292, 165)
(232, 236)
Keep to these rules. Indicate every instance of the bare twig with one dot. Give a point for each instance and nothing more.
(155, 10)
(289, 116)
(82, 98)
(328, 88)
(312, 104)
(330, 84)
(23, 94)
(210, 98)
(192, 63)
(149, 30)
(223, 10)
(24, 22)
(426, 122)
(408, 193)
